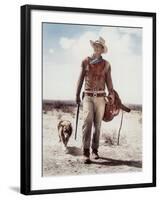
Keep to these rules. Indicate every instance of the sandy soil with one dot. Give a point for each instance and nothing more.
(127, 157)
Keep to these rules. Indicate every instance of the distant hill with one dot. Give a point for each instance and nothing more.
(58, 104)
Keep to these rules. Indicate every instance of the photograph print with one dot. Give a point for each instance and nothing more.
(92, 99)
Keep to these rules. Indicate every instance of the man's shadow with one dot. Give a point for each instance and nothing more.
(113, 162)
(75, 151)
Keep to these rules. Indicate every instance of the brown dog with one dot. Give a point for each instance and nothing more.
(64, 131)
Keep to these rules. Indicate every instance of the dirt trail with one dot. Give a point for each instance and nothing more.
(127, 157)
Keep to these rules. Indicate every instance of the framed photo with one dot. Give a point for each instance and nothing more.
(109, 56)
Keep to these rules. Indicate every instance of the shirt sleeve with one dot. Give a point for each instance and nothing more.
(81, 78)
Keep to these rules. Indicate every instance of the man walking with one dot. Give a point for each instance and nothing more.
(96, 72)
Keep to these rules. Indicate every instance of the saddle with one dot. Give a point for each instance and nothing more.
(112, 110)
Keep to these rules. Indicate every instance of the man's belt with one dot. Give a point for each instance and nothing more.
(95, 93)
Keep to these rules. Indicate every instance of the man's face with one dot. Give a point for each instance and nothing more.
(98, 49)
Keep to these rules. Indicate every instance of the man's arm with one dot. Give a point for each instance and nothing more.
(80, 82)
(109, 84)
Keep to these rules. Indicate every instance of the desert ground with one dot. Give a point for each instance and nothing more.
(122, 158)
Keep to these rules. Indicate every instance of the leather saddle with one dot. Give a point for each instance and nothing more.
(112, 110)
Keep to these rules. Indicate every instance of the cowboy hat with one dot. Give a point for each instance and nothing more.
(101, 41)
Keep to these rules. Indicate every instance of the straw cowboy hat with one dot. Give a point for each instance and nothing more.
(101, 41)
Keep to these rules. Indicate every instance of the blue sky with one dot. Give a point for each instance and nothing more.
(65, 45)
(53, 32)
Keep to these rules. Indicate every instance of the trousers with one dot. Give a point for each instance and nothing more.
(93, 111)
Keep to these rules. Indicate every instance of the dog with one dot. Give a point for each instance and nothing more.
(64, 131)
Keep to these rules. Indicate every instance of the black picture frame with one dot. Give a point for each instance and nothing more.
(25, 182)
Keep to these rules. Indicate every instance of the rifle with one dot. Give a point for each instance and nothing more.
(78, 105)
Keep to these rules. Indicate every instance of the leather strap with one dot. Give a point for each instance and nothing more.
(95, 91)
(95, 94)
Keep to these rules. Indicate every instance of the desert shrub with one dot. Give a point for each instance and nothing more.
(67, 109)
(111, 138)
(57, 105)
(137, 107)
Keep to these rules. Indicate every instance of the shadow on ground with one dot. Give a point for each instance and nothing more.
(74, 151)
(113, 162)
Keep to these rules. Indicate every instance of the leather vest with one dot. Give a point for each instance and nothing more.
(95, 75)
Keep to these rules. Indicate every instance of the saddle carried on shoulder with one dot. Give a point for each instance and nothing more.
(112, 110)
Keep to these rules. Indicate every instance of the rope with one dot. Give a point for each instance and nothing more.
(120, 128)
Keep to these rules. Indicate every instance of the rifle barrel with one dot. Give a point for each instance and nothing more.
(77, 121)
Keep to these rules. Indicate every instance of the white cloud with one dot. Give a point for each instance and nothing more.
(51, 50)
(82, 47)
(116, 43)
(66, 43)
(136, 31)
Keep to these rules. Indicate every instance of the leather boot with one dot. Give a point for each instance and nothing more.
(86, 156)
(95, 154)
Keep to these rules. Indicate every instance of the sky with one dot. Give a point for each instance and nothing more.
(66, 45)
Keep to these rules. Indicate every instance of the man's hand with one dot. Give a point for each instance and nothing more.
(78, 100)
(111, 99)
